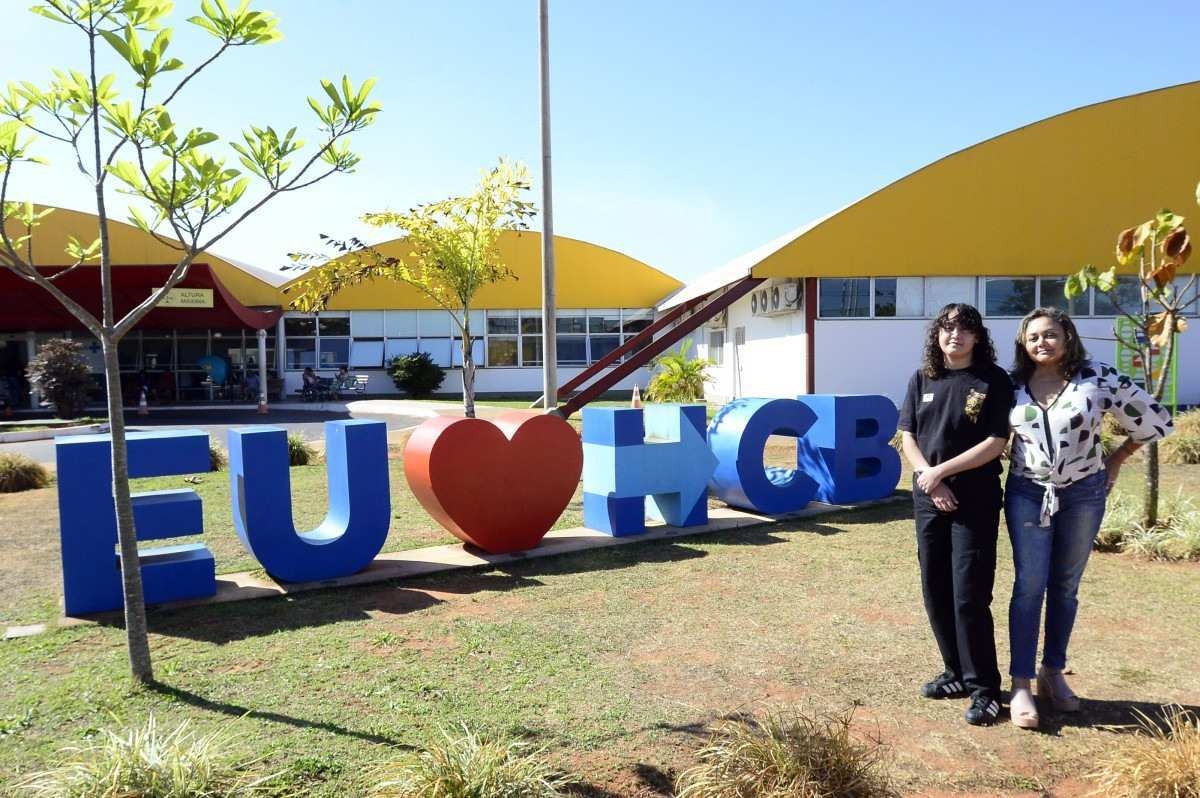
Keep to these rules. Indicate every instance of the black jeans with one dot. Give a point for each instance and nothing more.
(957, 552)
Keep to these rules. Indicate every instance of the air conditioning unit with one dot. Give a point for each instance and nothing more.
(777, 298)
(718, 321)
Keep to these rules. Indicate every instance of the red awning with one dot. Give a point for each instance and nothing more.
(25, 306)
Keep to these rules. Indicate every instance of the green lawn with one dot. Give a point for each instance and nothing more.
(615, 660)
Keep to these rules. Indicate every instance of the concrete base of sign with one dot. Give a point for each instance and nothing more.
(440, 559)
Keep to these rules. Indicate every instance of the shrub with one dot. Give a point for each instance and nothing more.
(469, 766)
(61, 374)
(300, 451)
(18, 473)
(417, 374)
(786, 755)
(1183, 447)
(217, 459)
(1157, 760)
(1177, 536)
(1111, 434)
(143, 762)
(679, 378)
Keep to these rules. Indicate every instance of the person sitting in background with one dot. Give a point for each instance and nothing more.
(312, 384)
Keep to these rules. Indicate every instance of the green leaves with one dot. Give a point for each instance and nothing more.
(239, 27)
(453, 245)
(265, 152)
(349, 109)
(78, 253)
(145, 63)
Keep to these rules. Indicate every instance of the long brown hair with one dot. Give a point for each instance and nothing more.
(933, 361)
(1073, 360)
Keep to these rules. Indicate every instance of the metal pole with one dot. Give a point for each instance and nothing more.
(549, 349)
(262, 371)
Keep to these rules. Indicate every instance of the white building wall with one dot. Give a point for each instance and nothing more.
(879, 355)
(771, 363)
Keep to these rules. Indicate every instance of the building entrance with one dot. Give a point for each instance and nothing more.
(14, 387)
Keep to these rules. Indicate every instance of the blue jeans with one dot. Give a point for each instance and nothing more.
(1049, 562)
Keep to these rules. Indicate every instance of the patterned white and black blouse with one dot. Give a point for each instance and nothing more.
(1060, 445)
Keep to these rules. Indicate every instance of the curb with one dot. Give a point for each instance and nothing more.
(50, 432)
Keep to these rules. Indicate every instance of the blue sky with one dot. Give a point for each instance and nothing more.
(684, 134)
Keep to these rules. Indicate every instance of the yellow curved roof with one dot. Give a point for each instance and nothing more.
(1043, 199)
(586, 275)
(130, 246)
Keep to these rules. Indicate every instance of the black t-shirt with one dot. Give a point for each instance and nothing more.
(951, 414)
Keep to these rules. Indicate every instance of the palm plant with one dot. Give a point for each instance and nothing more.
(680, 378)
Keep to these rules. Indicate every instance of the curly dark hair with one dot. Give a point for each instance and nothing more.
(933, 362)
(1076, 355)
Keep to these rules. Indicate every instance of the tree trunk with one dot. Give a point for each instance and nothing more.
(1150, 504)
(468, 379)
(468, 370)
(131, 573)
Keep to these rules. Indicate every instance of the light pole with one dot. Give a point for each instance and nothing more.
(549, 348)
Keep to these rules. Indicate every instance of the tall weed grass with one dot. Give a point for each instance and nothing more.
(1177, 536)
(787, 754)
(467, 765)
(18, 473)
(300, 451)
(1159, 760)
(146, 762)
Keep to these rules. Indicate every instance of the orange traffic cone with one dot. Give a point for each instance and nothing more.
(636, 399)
(143, 409)
(262, 404)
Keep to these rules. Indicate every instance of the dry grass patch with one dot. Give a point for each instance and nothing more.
(145, 762)
(19, 473)
(787, 755)
(1160, 760)
(467, 765)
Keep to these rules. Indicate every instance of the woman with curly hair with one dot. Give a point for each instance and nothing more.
(954, 425)
(1057, 483)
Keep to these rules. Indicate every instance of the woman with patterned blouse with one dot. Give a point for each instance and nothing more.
(1057, 484)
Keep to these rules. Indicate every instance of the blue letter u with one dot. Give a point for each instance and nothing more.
(360, 506)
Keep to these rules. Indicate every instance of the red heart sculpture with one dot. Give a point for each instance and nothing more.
(498, 485)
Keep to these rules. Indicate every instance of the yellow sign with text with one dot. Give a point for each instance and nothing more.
(187, 298)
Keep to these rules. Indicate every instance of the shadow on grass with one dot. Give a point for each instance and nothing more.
(225, 623)
(1119, 717)
(239, 711)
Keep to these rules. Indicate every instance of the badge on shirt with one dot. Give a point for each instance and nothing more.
(974, 404)
(927, 397)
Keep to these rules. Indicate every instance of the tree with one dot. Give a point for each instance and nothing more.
(1159, 247)
(62, 376)
(453, 252)
(679, 378)
(182, 194)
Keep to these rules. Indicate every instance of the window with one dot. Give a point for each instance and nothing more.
(400, 324)
(604, 321)
(398, 347)
(634, 321)
(438, 349)
(1008, 296)
(502, 350)
(1129, 297)
(531, 350)
(158, 353)
(456, 359)
(942, 291)
(570, 340)
(503, 327)
(716, 347)
(531, 337)
(842, 298)
(571, 349)
(366, 353)
(601, 345)
(1053, 295)
(902, 297)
